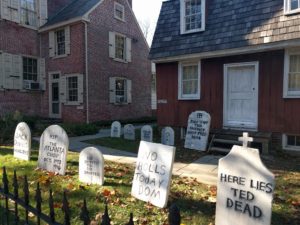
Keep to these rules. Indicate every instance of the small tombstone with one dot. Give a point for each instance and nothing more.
(115, 129)
(53, 150)
(147, 133)
(167, 136)
(91, 166)
(245, 188)
(152, 176)
(129, 132)
(22, 142)
(197, 131)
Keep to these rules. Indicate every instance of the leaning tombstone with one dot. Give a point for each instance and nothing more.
(197, 131)
(147, 133)
(54, 144)
(153, 172)
(167, 136)
(115, 129)
(91, 166)
(22, 142)
(245, 188)
(129, 132)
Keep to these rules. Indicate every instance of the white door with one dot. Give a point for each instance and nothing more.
(54, 100)
(241, 95)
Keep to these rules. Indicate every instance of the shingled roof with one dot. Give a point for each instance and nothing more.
(229, 24)
(76, 8)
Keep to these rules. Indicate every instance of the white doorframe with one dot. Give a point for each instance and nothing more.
(225, 96)
(51, 80)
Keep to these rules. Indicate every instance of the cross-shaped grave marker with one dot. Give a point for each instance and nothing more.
(245, 139)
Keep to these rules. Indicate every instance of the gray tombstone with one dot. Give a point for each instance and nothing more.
(22, 142)
(129, 132)
(153, 172)
(91, 166)
(115, 129)
(54, 145)
(245, 189)
(167, 136)
(197, 131)
(147, 133)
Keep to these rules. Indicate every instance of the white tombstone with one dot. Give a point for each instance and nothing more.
(22, 142)
(91, 166)
(147, 133)
(167, 136)
(115, 129)
(54, 145)
(153, 172)
(197, 131)
(129, 132)
(245, 188)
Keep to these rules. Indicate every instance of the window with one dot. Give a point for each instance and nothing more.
(60, 42)
(119, 47)
(291, 142)
(30, 71)
(292, 6)
(292, 74)
(189, 81)
(72, 89)
(120, 90)
(119, 11)
(28, 12)
(192, 15)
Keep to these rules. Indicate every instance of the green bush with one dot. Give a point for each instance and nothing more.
(8, 124)
(79, 129)
(145, 120)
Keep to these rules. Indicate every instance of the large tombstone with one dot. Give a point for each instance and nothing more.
(152, 176)
(197, 131)
(53, 150)
(91, 166)
(147, 133)
(129, 132)
(167, 136)
(115, 129)
(22, 142)
(245, 188)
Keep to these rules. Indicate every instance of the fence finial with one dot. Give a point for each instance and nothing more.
(51, 207)
(16, 196)
(174, 215)
(84, 215)
(5, 181)
(105, 217)
(130, 220)
(66, 210)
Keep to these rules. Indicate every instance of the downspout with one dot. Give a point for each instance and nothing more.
(86, 72)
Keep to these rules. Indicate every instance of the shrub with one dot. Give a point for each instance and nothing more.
(8, 124)
(79, 129)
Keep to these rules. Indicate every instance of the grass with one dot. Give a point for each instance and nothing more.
(195, 200)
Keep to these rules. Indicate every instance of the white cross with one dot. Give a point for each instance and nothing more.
(245, 139)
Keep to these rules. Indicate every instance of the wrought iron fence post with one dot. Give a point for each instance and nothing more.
(51, 207)
(5, 190)
(105, 217)
(84, 215)
(26, 198)
(174, 215)
(38, 199)
(66, 210)
(16, 197)
(130, 220)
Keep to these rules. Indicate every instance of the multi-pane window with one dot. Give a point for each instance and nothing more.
(60, 42)
(192, 15)
(29, 12)
(72, 89)
(291, 6)
(121, 91)
(119, 11)
(292, 74)
(30, 72)
(291, 142)
(120, 47)
(189, 81)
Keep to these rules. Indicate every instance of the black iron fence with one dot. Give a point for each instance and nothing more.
(12, 216)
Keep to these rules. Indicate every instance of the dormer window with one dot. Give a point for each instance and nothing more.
(291, 6)
(192, 13)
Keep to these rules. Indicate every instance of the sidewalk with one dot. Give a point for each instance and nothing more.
(205, 169)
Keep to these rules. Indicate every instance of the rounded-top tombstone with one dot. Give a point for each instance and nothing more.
(147, 133)
(22, 142)
(129, 132)
(167, 136)
(91, 166)
(54, 145)
(115, 129)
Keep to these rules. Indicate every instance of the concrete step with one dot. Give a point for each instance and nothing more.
(219, 149)
(227, 141)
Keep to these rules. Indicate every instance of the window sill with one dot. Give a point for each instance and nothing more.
(120, 60)
(192, 31)
(72, 103)
(291, 148)
(59, 56)
(189, 98)
(292, 12)
(29, 27)
(119, 19)
(121, 104)
(291, 96)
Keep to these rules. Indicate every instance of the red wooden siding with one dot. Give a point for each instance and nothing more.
(275, 113)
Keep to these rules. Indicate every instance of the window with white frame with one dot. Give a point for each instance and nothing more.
(59, 42)
(30, 69)
(192, 13)
(29, 12)
(119, 11)
(291, 142)
(189, 81)
(291, 6)
(292, 74)
(120, 90)
(119, 47)
(72, 89)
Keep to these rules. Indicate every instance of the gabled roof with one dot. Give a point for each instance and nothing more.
(229, 25)
(75, 9)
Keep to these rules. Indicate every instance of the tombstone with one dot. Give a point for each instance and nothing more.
(245, 188)
(167, 136)
(147, 133)
(91, 166)
(115, 129)
(22, 142)
(153, 172)
(54, 145)
(197, 131)
(129, 132)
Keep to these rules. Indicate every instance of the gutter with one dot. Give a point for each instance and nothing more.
(64, 23)
(86, 72)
